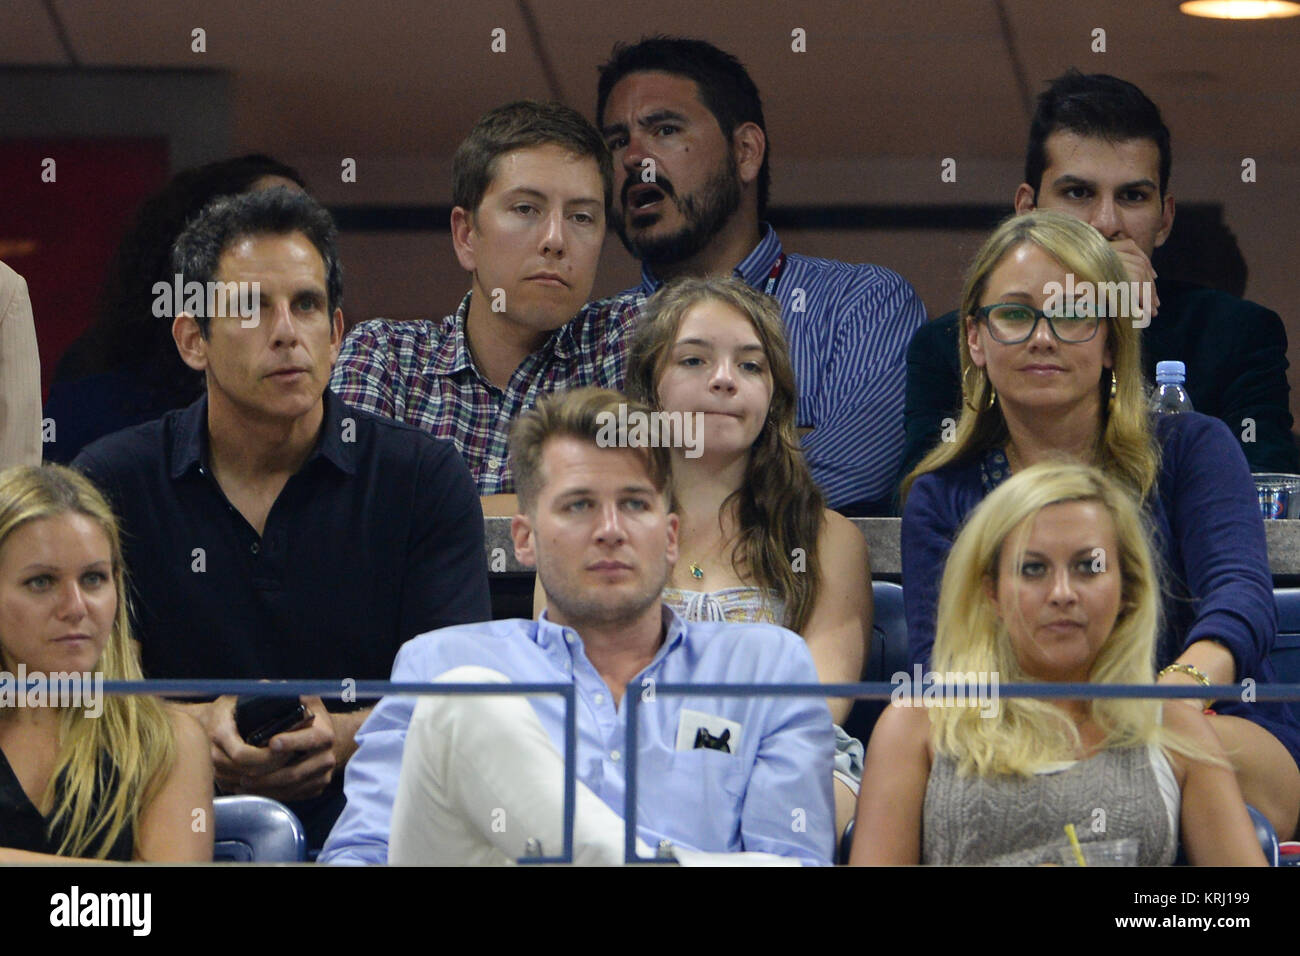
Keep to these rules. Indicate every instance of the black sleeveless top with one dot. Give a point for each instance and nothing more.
(23, 828)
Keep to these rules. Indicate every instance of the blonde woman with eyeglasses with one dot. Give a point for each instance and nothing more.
(1048, 378)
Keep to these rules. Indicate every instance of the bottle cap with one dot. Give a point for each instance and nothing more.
(1169, 372)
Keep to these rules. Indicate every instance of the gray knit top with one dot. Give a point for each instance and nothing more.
(1019, 821)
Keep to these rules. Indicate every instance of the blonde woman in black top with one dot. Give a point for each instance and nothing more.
(104, 777)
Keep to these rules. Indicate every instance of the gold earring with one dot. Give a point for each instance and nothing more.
(967, 389)
(1114, 387)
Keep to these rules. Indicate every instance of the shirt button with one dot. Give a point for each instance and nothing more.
(493, 463)
(569, 638)
(614, 755)
(598, 698)
(255, 547)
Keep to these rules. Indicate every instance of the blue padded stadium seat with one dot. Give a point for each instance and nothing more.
(1286, 649)
(253, 829)
(1266, 834)
(887, 655)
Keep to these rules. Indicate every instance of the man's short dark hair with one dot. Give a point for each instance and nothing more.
(1095, 105)
(524, 124)
(723, 83)
(276, 212)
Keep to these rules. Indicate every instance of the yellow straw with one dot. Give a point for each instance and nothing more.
(1074, 844)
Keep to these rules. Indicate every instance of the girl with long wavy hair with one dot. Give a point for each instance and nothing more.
(756, 540)
(118, 778)
(1051, 579)
(1048, 374)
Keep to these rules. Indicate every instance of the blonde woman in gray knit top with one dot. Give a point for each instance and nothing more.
(1051, 579)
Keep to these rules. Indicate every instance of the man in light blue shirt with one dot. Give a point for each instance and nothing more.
(482, 775)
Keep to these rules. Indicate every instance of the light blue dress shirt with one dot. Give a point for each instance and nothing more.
(771, 794)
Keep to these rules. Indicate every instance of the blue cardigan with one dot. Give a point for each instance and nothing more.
(1208, 535)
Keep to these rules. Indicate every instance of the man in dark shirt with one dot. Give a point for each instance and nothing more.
(1099, 151)
(270, 530)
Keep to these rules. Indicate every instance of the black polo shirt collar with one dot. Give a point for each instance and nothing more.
(189, 451)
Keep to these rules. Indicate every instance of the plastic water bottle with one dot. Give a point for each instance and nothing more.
(1170, 397)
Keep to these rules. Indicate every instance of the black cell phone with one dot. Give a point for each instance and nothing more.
(259, 718)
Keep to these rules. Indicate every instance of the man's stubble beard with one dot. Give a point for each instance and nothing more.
(705, 212)
(580, 612)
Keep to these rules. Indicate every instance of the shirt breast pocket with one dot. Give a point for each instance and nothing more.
(701, 794)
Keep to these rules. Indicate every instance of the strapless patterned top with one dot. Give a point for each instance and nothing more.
(749, 605)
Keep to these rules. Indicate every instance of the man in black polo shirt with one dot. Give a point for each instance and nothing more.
(1099, 151)
(270, 530)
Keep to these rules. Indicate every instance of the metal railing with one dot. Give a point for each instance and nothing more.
(974, 691)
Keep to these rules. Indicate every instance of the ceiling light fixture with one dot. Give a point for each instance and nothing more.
(1240, 9)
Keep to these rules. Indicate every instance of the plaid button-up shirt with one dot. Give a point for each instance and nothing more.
(422, 373)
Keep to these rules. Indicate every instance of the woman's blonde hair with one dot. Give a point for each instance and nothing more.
(970, 636)
(1125, 448)
(779, 508)
(111, 766)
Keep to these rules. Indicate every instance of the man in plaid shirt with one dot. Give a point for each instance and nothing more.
(532, 189)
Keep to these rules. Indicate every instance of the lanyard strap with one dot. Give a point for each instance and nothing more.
(774, 275)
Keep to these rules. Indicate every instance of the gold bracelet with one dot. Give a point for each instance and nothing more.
(1188, 669)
